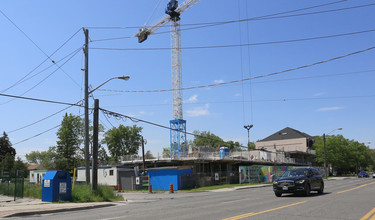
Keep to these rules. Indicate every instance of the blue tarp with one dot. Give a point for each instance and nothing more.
(161, 179)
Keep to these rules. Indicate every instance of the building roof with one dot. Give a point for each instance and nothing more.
(34, 166)
(287, 133)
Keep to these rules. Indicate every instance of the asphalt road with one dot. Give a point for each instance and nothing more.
(342, 199)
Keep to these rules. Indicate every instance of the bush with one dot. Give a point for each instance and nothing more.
(82, 193)
(32, 190)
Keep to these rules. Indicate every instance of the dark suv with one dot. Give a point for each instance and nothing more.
(300, 180)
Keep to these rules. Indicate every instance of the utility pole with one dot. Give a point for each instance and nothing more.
(248, 127)
(143, 156)
(87, 139)
(325, 155)
(95, 145)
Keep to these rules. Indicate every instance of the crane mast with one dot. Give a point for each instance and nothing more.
(178, 142)
(176, 69)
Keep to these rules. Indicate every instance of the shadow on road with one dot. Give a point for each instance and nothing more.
(301, 195)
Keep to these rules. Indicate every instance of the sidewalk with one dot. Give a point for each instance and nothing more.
(30, 206)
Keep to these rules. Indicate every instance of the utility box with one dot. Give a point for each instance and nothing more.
(57, 186)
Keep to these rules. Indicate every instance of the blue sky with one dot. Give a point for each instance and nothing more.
(315, 100)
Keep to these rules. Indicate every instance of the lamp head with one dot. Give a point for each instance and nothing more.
(124, 77)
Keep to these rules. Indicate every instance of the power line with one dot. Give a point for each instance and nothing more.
(255, 77)
(40, 100)
(40, 120)
(257, 100)
(268, 17)
(40, 49)
(268, 81)
(118, 115)
(14, 24)
(225, 22)
(264, 17)
(23, 78)
(238, 45)
(44, 78)
(37, 135)
(70, 54)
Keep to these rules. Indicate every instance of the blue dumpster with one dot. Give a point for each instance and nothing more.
(56, 186)
(224, 152)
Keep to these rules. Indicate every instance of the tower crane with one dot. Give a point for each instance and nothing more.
(177, 124)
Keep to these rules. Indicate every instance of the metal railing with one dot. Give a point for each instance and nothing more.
(256, 156)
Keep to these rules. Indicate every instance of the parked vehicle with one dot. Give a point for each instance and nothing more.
(363, 174)
(299, 180)
(373, 175)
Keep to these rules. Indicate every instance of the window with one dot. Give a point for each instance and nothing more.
(111, 172)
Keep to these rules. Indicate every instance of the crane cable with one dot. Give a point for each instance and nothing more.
(153, 12)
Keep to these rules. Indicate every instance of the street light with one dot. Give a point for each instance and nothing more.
(87, 159)
(248, 127)
(126, 78)
(325, 153)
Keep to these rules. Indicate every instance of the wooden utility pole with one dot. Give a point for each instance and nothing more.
(143, 155)
(94, 185)
(87, 139)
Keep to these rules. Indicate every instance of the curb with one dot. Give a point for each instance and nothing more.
(57, 210)
(254, 186)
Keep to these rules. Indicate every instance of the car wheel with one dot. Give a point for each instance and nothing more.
(278, 194)
(321, 189)
(307, 190)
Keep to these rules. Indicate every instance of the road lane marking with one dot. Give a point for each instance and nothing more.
(356, 188)
(368, 215)
(257, 213)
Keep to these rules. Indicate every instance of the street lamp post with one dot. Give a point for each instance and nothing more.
(248, 127)
(325, 151)
(94, 182)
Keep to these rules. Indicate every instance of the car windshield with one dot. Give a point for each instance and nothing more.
(297, 172)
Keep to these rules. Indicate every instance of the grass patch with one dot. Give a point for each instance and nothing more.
(32, 190)
(82, 193)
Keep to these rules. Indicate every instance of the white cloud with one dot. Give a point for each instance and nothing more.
(218, 81)
(335, 108)
(198, 111)
(237, 94)
(319, 94)
(192, 99)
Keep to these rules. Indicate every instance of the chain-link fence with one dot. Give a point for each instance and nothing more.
(12, 184)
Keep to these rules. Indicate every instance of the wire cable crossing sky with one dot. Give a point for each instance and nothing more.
(299, 64)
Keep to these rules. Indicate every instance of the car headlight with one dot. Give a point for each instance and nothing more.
(275, 182)
(300, 181)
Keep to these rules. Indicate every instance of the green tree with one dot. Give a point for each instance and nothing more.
(102, 155)
(233, 146)
(148, 155)
(166, 152)
(343, 154)
(19, 165)
(70, 137)
(6, 147)
(251, 146)
(205, 138)
(372, 164)
(8, 162)
(45, 158)
(124, 140)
